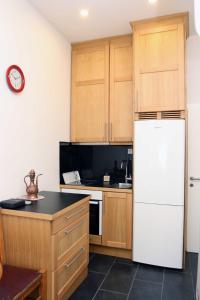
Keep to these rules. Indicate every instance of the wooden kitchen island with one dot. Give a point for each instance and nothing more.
(50, 234)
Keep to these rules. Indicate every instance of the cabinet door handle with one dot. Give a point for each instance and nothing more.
(74, 214)
(69, 264)
(73, 228)
(106, 131)
(111, 131)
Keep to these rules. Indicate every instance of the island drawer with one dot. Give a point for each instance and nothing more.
(70, 269)
(69, 217)
(65, 239)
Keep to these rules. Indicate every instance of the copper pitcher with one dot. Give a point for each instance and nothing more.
(32, 188)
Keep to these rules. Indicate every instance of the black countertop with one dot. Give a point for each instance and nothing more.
(97, 184)
(52, 203)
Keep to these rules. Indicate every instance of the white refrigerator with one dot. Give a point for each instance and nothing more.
(158, 219)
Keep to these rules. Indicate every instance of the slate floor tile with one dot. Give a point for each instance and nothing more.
(125, 261)
(177, 286)
(101, 263)
(119, 278)
(89, 287)
(108, 295)
(150, 273)
(144, 290)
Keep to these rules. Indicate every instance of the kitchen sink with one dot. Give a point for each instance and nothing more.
(123, 185)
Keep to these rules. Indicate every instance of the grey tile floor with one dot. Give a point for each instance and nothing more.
(112, 278)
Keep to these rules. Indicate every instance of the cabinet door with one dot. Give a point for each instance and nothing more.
(159, 67)
(89, 106)
(121, 96)
(117, 220)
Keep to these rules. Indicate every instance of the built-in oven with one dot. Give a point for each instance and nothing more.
(96, 217)
(95, 209)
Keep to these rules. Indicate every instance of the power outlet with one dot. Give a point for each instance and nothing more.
(130, 151)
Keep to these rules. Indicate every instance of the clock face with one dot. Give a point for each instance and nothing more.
(15, 79)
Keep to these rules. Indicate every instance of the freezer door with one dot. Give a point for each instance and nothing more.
(158, 235)
(159, 154)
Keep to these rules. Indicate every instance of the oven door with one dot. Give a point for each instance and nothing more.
(95, 217)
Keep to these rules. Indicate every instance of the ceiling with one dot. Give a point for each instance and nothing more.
(106, 17)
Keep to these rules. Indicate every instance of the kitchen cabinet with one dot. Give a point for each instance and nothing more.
(121, 90)
(51, 234)
(117, 220)
(90, 92)
(101, 103)
(159, 63)
(116, 238)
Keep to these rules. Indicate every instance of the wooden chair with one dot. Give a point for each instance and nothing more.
(19, 283)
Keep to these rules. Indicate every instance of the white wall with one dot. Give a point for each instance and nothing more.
(33, 122)
(193, 70)
(193, 98)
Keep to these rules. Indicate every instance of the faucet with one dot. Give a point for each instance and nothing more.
(125, 163)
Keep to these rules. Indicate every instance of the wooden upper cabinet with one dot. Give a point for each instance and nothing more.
(159, 63)
(117, 220)
(121, 90)
(90, 92)
(102, 91)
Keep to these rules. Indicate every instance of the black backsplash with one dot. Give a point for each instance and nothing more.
(94, 161)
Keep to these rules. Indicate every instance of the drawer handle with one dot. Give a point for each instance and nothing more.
(68, 265)
(73, 228)
(74, 214)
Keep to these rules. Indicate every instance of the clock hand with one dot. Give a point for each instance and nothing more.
(16, 77)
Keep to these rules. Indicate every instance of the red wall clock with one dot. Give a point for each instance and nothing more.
(15, 79)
